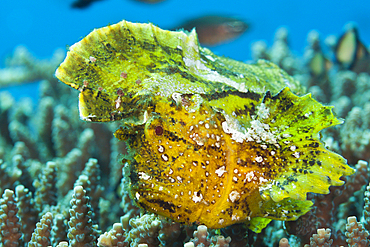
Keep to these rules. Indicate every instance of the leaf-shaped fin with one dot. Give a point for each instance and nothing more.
(307, 166)
(288, 209)
(130, 63)
(257, 224)
(120, 67)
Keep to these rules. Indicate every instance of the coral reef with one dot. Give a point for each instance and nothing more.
(201, 239)
(321, 239)
(41, 235)
(46, 154)
(81, 230)
(23, 67)
(9, 221)
(356, 234)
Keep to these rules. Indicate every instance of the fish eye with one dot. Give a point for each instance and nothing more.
(158, 130)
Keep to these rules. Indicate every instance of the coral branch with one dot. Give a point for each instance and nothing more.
(321, 239)
(81, 229)
(356, 234)
(10, 227)
(27, 211)
(41, 235)
(46, 192)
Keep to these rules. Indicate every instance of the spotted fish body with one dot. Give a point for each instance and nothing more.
(210, 140)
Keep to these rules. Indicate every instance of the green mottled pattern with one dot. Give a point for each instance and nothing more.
(155, 61)
(210, 140)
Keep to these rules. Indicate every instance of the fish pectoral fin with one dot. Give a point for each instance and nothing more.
(288, 209)
(257, 224)
(95, 106)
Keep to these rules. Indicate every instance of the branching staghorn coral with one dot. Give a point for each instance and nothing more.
(366, 211)
(321, 239)
(41, 235)
(46, 192)
(356, 234)
(81, 230)
(144, 230)
(59, 229)
(279, 53)
(8, 175)
(22, 67)
(10, 227)
(27, 213)
(201, 239)
(200, 236)
(115, 237)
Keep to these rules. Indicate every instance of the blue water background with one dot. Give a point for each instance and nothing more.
(44, 25)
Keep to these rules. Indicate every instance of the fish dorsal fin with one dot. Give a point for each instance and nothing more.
(308, 165)
(119, 69)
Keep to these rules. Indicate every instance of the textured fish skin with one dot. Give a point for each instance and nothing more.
(210, 140)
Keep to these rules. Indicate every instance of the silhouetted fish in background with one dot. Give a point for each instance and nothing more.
(319, 64)
(81, 4)
(350, 52)
(213, 29)
(149, 1)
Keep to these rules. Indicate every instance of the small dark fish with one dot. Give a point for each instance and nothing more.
(81, 4)
(213, 29)
(150, 1)
(350, 52)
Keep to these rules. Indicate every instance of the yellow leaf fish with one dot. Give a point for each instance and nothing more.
(210, 140)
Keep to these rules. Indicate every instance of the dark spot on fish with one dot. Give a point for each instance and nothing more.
(158, 130)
